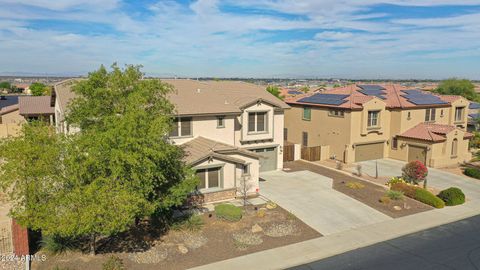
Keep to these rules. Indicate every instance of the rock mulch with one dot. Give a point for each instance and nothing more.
(281, 229)
(153, 255)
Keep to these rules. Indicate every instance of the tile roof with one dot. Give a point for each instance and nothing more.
(8, 109)
(215, 97)
(392, 93)
(430, 132)
(35, 105)
(199, 97)
(201, 148)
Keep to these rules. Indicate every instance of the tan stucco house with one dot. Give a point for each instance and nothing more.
(10, 119)
(229, 130)
(366, 122)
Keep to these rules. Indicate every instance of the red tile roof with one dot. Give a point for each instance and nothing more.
(394, 97)
(431, 132)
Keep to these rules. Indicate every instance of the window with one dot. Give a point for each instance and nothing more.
(209, 178)
(373, 118)
(408, 116)
(182, 127)
(337, 113)
(430, 115)
(285, 134)
(459, 114)
(221, 122)
(307, 114)
(305, 138)
(257, 122)
(454, 147)
(246, 169)
(394, 143)
(441, 113)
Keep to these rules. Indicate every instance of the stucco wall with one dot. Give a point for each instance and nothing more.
(206, 126)
(11, 124)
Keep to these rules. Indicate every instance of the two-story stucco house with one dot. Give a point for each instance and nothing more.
(229, 130)
(366, 122)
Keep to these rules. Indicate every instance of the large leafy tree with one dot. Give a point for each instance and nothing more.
(461, 87)
(118, 168)
(274, 90)
(39, 89)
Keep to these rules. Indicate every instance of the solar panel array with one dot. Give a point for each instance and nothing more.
(372, 90)
(474, 105)
(293, 92)
(326, 99)
(419, 97)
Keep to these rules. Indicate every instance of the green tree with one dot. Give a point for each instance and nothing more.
(118, 168)
(305, 89)
(5, 85)
(274, 90)
(39, 89)
(461, 87)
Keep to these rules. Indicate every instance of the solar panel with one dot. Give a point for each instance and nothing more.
(295, 92)
(371, 92)
(474, 105)
(419, 97)
(327, 99)
(370, 87)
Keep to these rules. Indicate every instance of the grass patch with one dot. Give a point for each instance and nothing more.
(394, 195)
(188, 223)
(228, 212)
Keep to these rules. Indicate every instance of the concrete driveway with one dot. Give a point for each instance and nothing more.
(436, 178)
(310, 197)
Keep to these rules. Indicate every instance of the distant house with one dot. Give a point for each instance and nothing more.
(36, 108)
(368, 122)
(10, 119)
(230, 131)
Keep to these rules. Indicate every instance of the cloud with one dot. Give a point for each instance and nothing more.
(242, 38)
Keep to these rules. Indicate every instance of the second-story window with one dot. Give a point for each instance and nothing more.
(373, 119)
(459, 114)
(307, 114)
(257, 121)
(220, 122)
(338, 113)
(430, 115)
(305, 139)
(182, 127)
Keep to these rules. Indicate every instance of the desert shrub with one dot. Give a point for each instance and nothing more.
(395, 180)
(419, 194)
(414, 172)
(385, 200)
(56, 244)
(452, 196)
(188, 223)
(408, 190)
(228, 212)
(395, 195)
(472, 172)
(113, 263)
(429, 198)
(355, 185)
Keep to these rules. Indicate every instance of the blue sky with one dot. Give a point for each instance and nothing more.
(245, 38)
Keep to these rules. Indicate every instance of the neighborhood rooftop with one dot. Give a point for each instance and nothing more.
(353, 96)
(33, 105)
(431, 132)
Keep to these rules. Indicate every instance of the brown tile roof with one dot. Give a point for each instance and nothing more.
(199, 97)
(216, 97)
(33, 105)
(63, 92)
(8, 109)
(201, 148)
(394, 97)
(431, 132)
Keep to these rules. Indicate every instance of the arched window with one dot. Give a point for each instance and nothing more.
(454, 147)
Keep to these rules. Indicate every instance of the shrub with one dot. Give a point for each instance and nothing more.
(452, 196)
(188, 223)
(472, 172)
(414, 172)
(427, 197)
(113, 263)
(228, 212)
(395, 195)
(384, 200)
(56, 244)
(419, 194)
(395, 180)
(355, 185)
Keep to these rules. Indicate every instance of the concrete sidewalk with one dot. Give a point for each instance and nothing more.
(323, 247)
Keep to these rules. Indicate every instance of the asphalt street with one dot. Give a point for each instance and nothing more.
(451, 246)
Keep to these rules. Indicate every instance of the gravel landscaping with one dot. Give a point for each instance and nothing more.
(260, 228)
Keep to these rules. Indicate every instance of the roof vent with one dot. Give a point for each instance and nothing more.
(198, 90)
(226, 102)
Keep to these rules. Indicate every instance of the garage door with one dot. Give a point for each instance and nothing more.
(368, 151)
(416, 153)
(268, 161)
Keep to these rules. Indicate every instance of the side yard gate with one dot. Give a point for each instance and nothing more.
(288, 152)
(311, 153)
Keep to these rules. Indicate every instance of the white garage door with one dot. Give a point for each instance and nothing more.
(268, 161)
